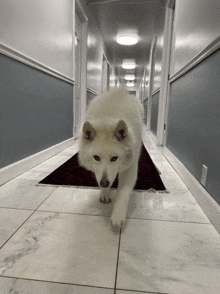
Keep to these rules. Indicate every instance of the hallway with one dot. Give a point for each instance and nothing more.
(55, 58)
(59, 240)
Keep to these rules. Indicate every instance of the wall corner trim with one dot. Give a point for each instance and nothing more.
(15, 169)
(92, 91)
(16, 55)
(204, 199)
(155, 91)
(202, 55)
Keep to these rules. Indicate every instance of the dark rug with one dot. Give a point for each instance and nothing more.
(71, 174)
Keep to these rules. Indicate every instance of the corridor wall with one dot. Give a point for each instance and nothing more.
(193, 133)
(36, 111)
(194, 120)
(36, 77)
(193, 97)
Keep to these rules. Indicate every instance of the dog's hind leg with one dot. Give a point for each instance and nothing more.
(105, 195)
(127, 180)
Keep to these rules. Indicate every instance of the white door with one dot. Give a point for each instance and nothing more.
(77, 86)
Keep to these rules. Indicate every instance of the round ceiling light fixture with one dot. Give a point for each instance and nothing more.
(127, 40)
(128, 65)
(130, 77)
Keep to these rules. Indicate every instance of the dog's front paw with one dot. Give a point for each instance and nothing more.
(118, 218)
(105, 197)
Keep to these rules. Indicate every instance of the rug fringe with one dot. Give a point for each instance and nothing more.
(151, 190)
(164, 191)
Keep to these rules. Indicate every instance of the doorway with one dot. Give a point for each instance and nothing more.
(169, 41)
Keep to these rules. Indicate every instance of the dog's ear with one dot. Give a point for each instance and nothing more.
(121, 130)
(88, 131)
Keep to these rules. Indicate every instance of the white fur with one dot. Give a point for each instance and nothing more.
(113, 130)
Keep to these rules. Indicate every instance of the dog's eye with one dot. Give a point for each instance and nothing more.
(96, 157)
(114, 158)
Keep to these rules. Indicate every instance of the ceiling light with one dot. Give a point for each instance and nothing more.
(128, 66)
(130, 77)
(127, 40)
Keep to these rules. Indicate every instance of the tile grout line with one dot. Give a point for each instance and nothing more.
(139, 291)
(132, 218)
(36, 209)
(116, 273)
(54, 282)
(17, 230)
(101, 215)
(33, 211)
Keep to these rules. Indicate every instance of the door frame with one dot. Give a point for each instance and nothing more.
(165, 74)
(83, 72)
(151, 82)
(105, 73)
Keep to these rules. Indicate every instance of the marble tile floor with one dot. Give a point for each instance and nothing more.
(59, 239)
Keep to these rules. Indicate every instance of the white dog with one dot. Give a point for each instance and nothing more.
(110, 144)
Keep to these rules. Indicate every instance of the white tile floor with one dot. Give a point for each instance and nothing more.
(59, 240)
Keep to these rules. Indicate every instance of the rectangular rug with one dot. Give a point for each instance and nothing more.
(71, 174)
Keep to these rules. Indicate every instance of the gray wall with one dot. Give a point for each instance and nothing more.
(36, 111)
(194, 121)
(154, 112)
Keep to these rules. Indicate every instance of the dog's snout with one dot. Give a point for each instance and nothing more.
(104, 183)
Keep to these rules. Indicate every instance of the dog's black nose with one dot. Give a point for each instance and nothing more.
(104, 183)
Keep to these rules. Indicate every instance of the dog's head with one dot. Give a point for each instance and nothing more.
(105, 151)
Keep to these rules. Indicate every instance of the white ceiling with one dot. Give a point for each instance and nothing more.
(119, 17)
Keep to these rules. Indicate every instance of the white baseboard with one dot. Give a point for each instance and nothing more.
(153, 137)
(15, 169)
(204, 199)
